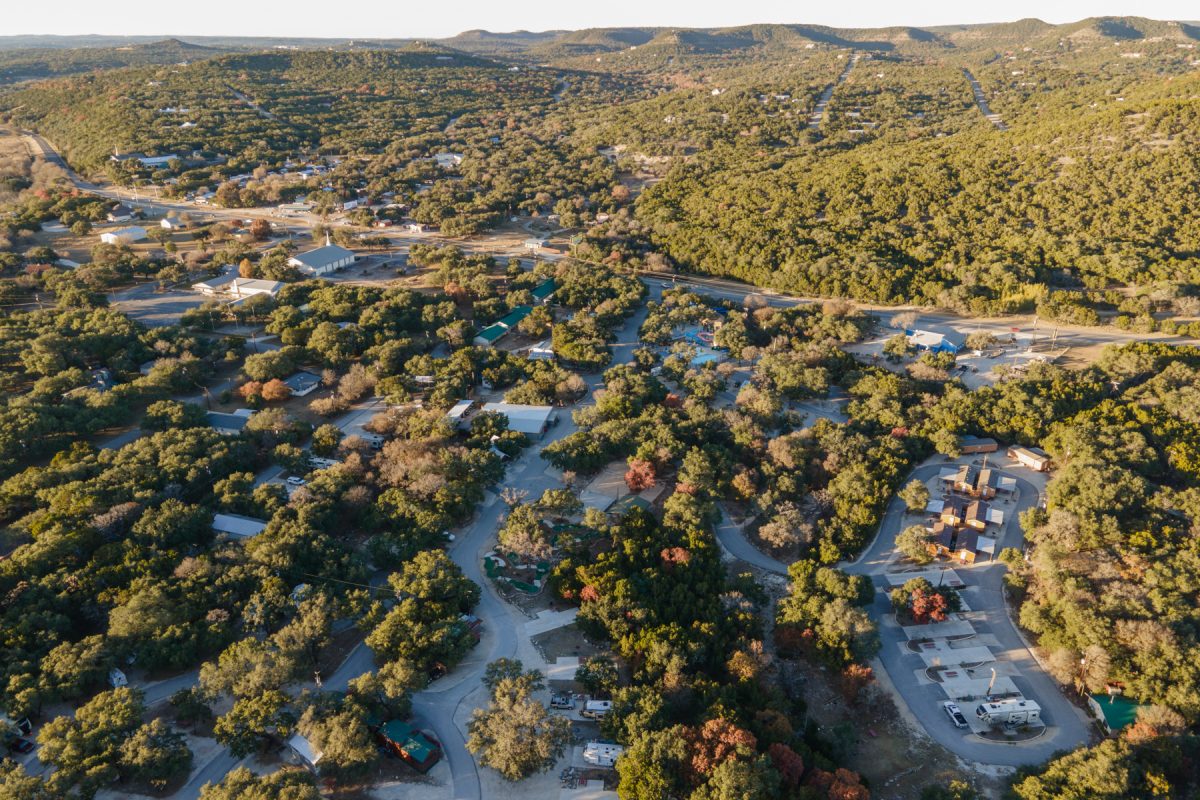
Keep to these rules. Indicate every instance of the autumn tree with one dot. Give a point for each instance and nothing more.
(640, 475)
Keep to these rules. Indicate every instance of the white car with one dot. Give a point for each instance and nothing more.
(955, 714)
(295, 481)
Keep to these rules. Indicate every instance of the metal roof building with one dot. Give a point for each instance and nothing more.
(237, 525)
(530, 420)
(323, 260)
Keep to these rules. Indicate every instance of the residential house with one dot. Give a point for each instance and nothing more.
(173, 224)
(977, 515)
(323, 260)
(1031, 457)
(302, 383)
(229, 424)
(941, 541)
(119, 213)
(534, 244)
(954, 511)
(123, 235)
(976, 482)
(409, 744)
(416, 227)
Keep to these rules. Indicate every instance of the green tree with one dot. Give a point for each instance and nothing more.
(915, 495)
(242, 784)
(913, 543)
(516, 735)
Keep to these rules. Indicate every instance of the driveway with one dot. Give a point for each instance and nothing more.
(1066, 726)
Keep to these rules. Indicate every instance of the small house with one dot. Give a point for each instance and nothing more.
(302, 383)
(457, 415)
(977, 515)
(173, 224)
(941, 540)
(409, 744)
(542, 351)
(119, 213)
(976, 482)
(954, 511)
(229, 424)
(534, 244)
(966, 546)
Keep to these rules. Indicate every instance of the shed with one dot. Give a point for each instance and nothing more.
(974, 444)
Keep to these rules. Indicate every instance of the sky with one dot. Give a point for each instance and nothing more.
(380, 19)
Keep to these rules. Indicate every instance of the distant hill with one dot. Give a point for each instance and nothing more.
(20, 65)
(489, 43)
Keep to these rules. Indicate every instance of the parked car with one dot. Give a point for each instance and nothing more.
(295, 481)
(20, 745)
(955, 714)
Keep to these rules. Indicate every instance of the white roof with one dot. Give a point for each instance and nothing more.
(926, 338)
(305, 750)
(237, 525)
(1006, 483)
(994, 515)
(256, 285)
(133, 232)
(215, 283)
(602, 753)
(525, 419)
(460, 409)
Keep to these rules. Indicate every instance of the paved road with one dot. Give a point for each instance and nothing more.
(1066, 726)
(436, 706)
(818, 114)
(733, 539)
(981, 101)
